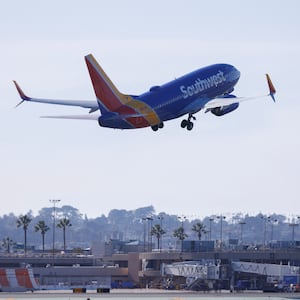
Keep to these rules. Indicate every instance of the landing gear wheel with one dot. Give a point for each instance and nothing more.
(190, 126)
(158, 126)
(184, 123)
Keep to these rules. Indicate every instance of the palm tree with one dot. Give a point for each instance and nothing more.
(23, 221)
(64, 223)
(199, 228)
(158, 232)
(43, 228)
(180, 234)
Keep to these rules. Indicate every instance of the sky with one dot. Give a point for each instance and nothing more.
(244, 162)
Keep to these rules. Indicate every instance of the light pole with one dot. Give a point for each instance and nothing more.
(53, 201)
(144, 221)
(242, 223)
(182, 219)
(272, 221)
(264, 218)
(161, 219)
(221, 230)
(210, 221)
(150, 219)
(293, 225)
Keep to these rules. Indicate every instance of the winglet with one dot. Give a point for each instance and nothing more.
(271, 87)
(21, 93)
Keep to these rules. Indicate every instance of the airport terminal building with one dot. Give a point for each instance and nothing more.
(198, 265)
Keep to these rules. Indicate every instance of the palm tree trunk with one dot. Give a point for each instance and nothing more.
(25, 241)
(43, 239)
(64, 239)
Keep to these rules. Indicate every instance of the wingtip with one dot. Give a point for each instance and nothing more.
(88, 56)
(21, 93)
(272, 90)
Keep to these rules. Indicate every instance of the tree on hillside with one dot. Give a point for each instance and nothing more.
(43, 228)
(142, 212)
(24, 221)
(64, 223)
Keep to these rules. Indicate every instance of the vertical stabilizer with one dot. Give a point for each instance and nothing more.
(108, 96)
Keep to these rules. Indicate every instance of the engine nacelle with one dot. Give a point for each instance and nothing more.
(223, 110)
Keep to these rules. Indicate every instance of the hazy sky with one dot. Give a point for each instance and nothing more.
(247, 161)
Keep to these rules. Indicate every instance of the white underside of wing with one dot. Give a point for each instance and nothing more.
(219, 102)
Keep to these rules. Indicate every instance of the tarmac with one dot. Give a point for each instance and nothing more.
(158, 294)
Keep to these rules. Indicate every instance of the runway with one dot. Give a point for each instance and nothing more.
(146, 294)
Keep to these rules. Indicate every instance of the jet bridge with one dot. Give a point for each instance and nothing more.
(265, 269)
(192, 269)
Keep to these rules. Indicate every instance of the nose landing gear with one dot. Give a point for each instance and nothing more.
(188, 124)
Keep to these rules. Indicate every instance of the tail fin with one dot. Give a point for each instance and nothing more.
(271, 87)
(108, 96)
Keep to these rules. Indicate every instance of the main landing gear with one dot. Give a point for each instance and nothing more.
(188, 124)
(156, 127)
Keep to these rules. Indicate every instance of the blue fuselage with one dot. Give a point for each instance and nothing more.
(187, 94)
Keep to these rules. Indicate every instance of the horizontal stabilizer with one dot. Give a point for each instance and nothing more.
(73, 117)
(95, 117)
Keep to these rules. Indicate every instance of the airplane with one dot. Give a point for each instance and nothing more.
(209, 89)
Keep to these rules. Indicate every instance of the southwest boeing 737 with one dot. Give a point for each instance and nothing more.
(209, 89)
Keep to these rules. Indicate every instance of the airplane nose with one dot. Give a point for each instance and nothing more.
(235, 74)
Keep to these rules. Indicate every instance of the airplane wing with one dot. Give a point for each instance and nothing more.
(223, 101)
(226, 100)
(92, 105)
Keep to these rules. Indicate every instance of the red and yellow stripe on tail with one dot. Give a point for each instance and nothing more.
(110, 99)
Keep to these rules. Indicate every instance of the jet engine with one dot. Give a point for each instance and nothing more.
(223, 110)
